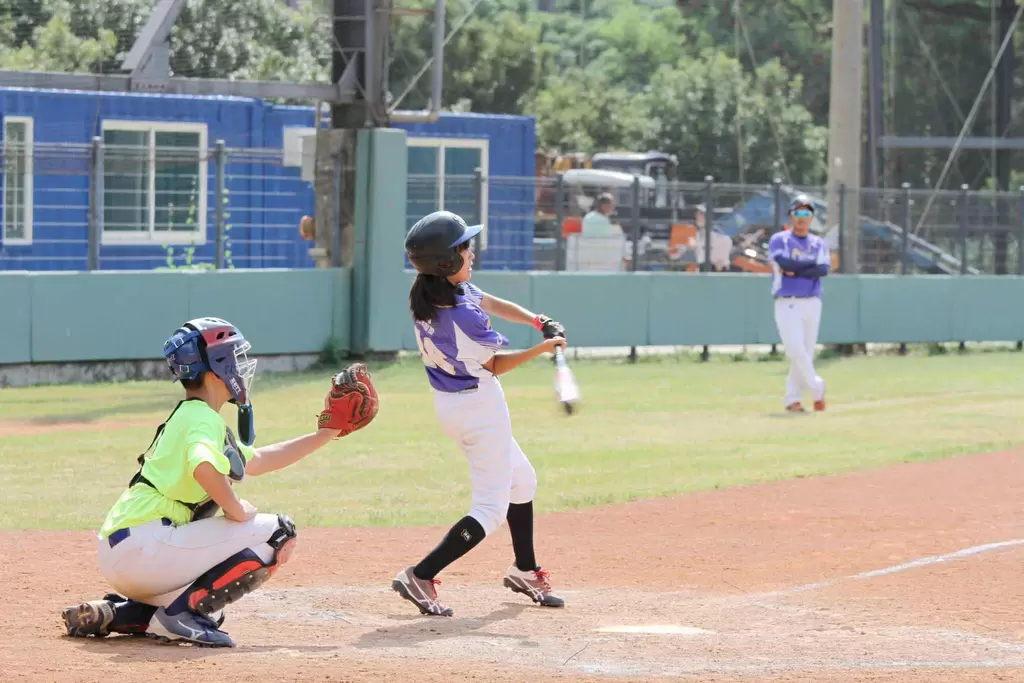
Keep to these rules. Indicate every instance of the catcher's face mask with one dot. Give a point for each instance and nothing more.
(217, 346)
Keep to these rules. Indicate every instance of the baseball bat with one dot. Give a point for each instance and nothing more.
(566, 388)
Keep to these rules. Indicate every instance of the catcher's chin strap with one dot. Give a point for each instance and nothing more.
(239, 575)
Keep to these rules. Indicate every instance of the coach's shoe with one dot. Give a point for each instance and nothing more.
(89, 619)
(188, 627)
(534, 584)
(420, 592)
(795, 408)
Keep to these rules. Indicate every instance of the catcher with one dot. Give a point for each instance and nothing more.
(162, 546)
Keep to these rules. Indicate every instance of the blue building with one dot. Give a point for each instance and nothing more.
(159, 179)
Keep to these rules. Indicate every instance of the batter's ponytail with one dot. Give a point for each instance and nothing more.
(428, 293)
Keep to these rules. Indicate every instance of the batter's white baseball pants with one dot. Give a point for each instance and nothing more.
(156, 562)
(798, 320)
(479, 421)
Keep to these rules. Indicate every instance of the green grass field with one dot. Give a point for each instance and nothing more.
(660, 427)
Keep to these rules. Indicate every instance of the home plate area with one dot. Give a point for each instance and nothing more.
(629, 633)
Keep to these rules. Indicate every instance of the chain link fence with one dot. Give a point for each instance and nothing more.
(611, 222)
(141, 199)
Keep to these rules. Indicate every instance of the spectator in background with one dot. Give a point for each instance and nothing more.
(721, 244)
(599, 244)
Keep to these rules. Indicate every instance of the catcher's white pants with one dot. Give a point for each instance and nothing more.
(798, 321)
(480, 423)
(156, 562)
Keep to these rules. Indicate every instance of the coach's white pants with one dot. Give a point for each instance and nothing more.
(156, 562)
(480, 423)
(798, 321)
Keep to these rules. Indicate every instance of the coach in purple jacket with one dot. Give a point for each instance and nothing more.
(799, 261)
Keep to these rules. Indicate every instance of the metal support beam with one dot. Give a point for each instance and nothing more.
(1004, 158)
(437, 76)
(938, 142)
(150, 54)
(173, 86)
(350, 33)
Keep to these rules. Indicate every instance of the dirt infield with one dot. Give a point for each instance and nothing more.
(911, 573)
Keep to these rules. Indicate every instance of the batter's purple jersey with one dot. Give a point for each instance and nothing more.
(809, 249)
(457, 342)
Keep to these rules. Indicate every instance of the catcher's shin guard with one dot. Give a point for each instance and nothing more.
(240, 574)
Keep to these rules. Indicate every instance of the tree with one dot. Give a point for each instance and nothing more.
(693, 109)
(226, 39)
(577, 113)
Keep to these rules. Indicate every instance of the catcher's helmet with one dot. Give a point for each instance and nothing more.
(215, 345)
(801, 201)
(433, 243)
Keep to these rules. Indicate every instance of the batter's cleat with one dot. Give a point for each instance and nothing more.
(819, 405)
(187, 627)
(89, 619)
(795, 408)
(534, 584)
(420, 592)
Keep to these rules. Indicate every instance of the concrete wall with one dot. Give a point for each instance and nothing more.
(653, 309)
(69, 317)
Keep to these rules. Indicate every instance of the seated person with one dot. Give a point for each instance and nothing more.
(598, 245)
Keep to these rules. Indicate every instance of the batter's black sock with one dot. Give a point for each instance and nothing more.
(460, 539)
(520, 524)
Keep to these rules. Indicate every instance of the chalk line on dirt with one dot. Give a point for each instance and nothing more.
(913, 564)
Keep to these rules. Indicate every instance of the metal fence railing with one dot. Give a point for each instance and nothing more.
(157, 199)
(636, 223)
(126, 202)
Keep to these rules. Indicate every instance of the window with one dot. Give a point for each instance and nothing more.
(442, 178)
(17, 179)
(154, 182)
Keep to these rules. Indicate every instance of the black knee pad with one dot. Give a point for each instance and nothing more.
(284, 532)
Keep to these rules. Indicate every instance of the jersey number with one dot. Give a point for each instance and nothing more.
(432, 356)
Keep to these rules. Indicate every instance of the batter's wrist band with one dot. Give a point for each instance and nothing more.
(537, 323)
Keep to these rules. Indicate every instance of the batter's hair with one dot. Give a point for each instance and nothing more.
(428, 293)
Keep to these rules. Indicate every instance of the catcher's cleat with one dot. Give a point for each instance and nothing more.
(535, 584)
(795, 408)
(91, 618)
(188, 627)
(420, 592)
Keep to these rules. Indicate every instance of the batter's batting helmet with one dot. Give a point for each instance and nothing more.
(801, 201)
(215, 345)
(433, 243)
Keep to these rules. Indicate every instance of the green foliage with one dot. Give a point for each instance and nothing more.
(705, 79)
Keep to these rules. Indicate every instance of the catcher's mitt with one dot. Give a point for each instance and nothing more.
(351, 404)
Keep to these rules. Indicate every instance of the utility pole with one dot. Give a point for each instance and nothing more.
(844, 123)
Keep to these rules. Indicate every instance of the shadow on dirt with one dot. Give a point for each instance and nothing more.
(420, 629)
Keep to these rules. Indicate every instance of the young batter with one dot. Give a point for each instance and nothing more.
(799, 261)
(460, 352)
(161, 546)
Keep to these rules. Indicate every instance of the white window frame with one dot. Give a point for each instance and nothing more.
(441, 144)
(28, 181)
(152, 236)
